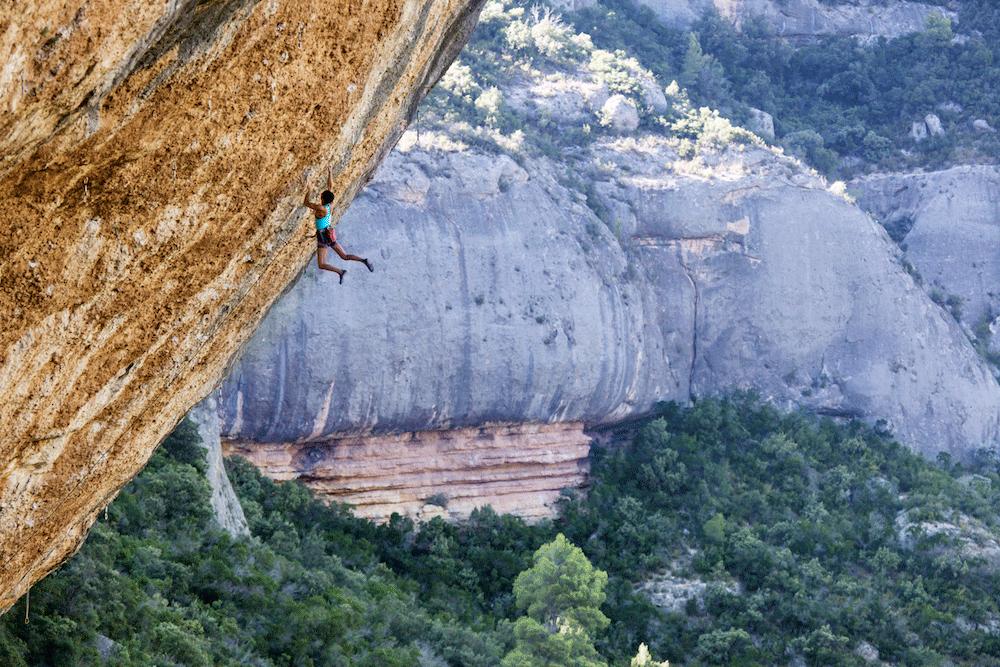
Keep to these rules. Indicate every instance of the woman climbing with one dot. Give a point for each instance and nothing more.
(326, 238)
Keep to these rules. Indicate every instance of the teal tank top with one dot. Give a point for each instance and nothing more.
(324, 222)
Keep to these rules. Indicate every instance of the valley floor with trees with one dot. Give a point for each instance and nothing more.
(792, 539)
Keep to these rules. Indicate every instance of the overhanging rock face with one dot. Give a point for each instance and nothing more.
(153, 159)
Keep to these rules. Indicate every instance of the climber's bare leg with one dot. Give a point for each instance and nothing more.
(339, 249)
(322, 255)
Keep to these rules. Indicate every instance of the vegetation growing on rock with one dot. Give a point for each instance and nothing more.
(529, 81)
(843, 105)
(840, 103)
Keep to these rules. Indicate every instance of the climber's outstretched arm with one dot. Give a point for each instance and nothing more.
(329, 179)
(315, 208)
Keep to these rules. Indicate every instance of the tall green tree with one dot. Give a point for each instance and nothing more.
(703, 73)
(561, 595)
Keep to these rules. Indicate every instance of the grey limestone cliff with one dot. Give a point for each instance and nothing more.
(948, 225)
(538, 259)
(514, 292)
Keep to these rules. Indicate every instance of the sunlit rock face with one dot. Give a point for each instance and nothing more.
(578, 270)
(490, 301)
(517, 469)
(153, 160)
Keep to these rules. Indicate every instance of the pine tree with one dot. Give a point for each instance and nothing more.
(561, 595)
(702, 73)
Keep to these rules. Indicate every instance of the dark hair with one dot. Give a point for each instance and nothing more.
(326, 197)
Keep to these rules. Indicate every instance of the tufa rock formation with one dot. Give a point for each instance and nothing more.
(154, 156)
(225, 504)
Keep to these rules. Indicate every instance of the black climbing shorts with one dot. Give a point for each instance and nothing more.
(326, 237)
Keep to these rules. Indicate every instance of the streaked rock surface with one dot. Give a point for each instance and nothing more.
(154, 157)
(625, 267)
(516, 468)
(501, 295)
(225, 505)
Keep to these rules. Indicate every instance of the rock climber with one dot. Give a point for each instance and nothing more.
(326, 238)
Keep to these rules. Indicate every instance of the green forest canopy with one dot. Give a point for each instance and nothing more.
(792, 523)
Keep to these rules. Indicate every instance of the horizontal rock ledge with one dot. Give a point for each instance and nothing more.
(521, 469)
